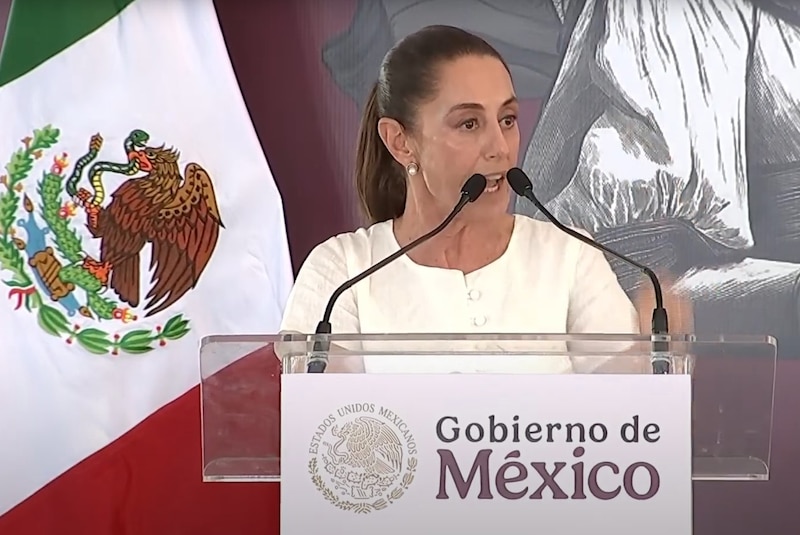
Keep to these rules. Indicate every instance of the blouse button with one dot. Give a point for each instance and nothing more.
(474, 295)
(479, 321)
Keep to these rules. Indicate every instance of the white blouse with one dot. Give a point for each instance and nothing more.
(546, 282)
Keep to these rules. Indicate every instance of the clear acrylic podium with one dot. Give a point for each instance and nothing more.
(732, 386)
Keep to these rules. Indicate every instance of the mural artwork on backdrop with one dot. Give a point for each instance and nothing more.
(669, 129)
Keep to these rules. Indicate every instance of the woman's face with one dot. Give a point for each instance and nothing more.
(469, 127)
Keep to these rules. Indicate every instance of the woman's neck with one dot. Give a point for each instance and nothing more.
(463, 245)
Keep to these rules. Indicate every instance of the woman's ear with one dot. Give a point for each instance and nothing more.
(396, 140)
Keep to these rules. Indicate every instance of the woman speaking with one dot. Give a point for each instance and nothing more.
(443, 109)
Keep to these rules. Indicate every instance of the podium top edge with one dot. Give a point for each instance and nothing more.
(508, 337)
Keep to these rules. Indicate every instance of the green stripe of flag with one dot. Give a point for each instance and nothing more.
(39, 29)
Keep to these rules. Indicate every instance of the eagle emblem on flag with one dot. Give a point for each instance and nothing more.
(72, 254)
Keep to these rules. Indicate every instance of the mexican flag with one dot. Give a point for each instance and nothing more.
(138, 215)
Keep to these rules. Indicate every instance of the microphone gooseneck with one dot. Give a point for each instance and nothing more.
(523, 187)
(470, 191)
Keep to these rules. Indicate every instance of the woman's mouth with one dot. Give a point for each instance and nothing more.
(493, 183)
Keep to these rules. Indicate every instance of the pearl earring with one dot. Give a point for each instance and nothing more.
(412, 169)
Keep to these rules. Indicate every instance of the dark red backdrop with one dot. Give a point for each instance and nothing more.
(275, 50)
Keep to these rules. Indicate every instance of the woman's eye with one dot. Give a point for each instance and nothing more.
(469, 124)
(510, 120)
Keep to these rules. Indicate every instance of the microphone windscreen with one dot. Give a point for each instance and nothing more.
(518, 181)
(474, 186)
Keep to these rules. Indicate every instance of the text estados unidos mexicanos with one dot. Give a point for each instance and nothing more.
(515, 479)
(363, 408)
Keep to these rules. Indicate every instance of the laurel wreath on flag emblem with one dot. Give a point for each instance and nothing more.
(84, 300)
(363, 507)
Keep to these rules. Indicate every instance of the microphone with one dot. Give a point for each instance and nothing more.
(522, 186)
(470, 191)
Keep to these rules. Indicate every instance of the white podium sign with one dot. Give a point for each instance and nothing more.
(476, 454)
